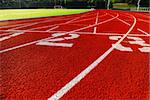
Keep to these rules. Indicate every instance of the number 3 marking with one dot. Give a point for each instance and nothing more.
(135, 40)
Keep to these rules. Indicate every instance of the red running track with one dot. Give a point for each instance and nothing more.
(101, 54)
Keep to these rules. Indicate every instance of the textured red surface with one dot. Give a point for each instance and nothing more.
(37, 72)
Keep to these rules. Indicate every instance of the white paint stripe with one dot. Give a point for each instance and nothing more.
(96, 21)
(142, 15)
(143, 32)
(110, 34)
(23, 45)
(88, 33)
(25, 23)
(144, 20)
(70, 21)
(89, 18)
(6, 33)
(95, 24)
(55, 19)
(46, 26)
(124, 22)
(55, 25)
(52, 28)
(55, 44)
(64, 23)
(137, 28)
(80, 76)
(10, 36)
(31, 21)
(60, 23)
(31, 24)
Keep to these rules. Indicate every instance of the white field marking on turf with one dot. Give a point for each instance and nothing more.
(26, 44)
(80, 76)
(96, 21)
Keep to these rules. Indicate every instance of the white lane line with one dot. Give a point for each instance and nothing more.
(16, 34)
(110, 34)
(96, 21)
(124, 22)
(10, 36)
(86, 33)
(142, 15)
(52, 28)
(6, 33)
(31, 21)
(89, 18)
(62, 23)
(70, 21)
(80, 76)
(55, 44)
(108, 20)
(31, 24)
(148, 34)
(23, 45)
(140, 30)
(55, 25)
(144, 20)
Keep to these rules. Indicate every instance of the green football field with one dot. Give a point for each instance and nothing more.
(32, 13)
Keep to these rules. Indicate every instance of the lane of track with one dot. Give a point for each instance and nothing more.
(39, 71)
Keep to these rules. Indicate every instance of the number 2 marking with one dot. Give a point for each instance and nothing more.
(54, 42)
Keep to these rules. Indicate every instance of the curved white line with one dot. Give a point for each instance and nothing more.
(30, 43)
(80, 76)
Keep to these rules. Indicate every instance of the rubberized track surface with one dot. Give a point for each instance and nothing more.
(101, 54)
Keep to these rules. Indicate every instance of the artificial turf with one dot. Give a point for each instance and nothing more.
(33, 13)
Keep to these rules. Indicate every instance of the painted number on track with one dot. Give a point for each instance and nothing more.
(132, 40)
(57, 41)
